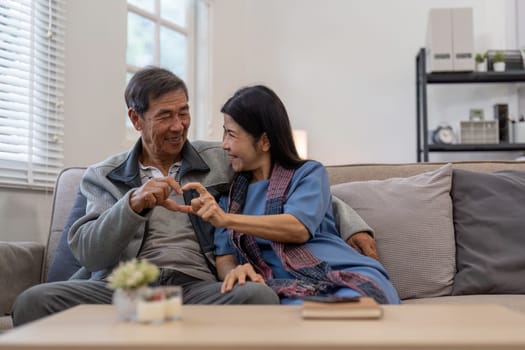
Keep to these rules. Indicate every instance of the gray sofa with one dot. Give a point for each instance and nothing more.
(410, 207)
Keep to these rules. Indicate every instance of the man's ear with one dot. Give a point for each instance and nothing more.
(135, 119)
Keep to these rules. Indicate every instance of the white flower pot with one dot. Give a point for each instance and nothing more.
(498, 66)
(125, 302)
(481, 66)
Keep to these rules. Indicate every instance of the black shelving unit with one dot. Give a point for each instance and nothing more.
(423, 79)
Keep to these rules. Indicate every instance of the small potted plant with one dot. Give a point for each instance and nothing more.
(498, 61)
(481, 62)
(130, 281)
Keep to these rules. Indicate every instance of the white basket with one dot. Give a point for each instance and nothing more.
(482, 131)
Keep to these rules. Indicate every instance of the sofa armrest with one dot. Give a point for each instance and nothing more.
(20, 268)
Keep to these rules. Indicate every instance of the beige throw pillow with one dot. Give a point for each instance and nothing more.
(414, 230)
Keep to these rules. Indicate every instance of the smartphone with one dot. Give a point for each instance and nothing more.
(330, 298)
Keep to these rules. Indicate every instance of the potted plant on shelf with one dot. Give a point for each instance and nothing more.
(130, 281)
(481, 62)
(498, 61)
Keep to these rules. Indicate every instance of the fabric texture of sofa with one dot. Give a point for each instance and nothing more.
(447, 233)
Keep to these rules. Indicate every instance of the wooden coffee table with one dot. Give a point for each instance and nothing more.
(277, 327)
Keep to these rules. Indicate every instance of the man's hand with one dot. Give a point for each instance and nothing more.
(239, 275)
(364, 244)
(155, 192)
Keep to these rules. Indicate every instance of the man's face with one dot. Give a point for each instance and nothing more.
(164, 126)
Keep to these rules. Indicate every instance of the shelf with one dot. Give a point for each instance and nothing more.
(484, 147)
(423, 79)
(475, 77)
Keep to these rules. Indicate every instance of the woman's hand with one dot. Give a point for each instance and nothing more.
(239, 275)
(205, 206)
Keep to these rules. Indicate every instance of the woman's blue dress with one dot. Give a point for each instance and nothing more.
(310, 201)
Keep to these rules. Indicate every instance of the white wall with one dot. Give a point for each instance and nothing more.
(344, 68)
(24, 215)
(95, 80)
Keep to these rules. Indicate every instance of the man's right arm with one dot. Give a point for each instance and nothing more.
(110, 230)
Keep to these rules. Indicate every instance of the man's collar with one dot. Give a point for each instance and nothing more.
(191, 160)
(129, 172)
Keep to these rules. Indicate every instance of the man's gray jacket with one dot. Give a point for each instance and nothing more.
(111, 231)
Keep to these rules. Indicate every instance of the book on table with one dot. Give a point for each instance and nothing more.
(329, 308)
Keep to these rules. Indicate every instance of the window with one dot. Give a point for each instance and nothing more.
(161, 33)
(32, 37)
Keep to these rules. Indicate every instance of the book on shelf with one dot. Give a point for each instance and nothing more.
(355, 308)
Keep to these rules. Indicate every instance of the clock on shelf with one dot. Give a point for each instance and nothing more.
(444, 135)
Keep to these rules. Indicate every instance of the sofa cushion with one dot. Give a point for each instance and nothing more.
(20, 268)
(489, 220)
(64, 264)
(412, 220)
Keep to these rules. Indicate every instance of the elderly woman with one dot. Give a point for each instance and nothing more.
(276, 226)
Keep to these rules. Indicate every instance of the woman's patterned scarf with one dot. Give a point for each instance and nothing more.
(311, 275)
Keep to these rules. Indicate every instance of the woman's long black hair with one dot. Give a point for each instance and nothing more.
(258, 110)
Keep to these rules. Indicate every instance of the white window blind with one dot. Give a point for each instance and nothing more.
(32, 41)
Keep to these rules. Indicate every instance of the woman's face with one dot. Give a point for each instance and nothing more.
(244, 152)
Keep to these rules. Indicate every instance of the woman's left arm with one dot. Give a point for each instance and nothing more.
(303, 211)
(283, 228)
